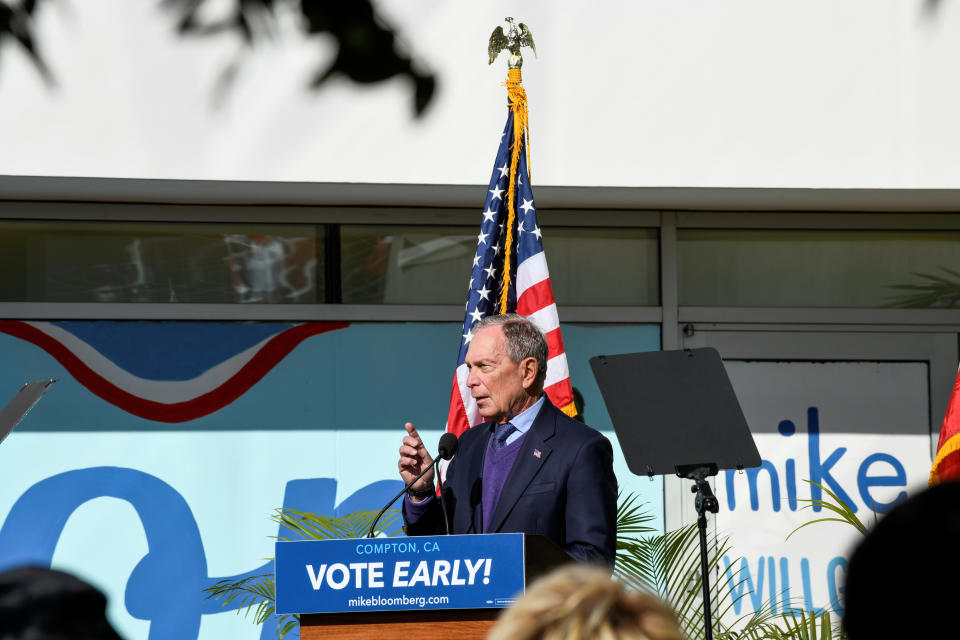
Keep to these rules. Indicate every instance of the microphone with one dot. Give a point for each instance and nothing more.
(445, 450)
(447, 446)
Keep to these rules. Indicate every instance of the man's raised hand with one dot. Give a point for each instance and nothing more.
(414, 458)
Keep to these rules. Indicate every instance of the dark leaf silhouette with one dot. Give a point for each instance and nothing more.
(16, 23)
(367, 48)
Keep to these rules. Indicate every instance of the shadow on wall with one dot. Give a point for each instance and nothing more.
(367, 50)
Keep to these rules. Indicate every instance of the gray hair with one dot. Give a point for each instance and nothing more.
(524, 340)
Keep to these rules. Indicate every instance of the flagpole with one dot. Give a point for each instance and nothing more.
(509, 272)
(518, 108)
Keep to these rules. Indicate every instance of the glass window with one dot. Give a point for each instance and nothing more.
(604, 266)
(160, 262)
(794, 268)
(406, 264)
(432, 264)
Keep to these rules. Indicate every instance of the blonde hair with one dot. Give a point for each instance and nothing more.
(578, 602)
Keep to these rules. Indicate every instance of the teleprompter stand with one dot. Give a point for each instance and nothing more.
(676, 412)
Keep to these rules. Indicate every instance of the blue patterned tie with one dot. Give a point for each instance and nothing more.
(500, 435)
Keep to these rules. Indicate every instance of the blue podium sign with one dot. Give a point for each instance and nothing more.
(395, 574)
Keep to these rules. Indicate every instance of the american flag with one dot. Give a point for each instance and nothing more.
(527, 292)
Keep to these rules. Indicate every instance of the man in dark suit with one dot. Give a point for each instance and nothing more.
(529, 468)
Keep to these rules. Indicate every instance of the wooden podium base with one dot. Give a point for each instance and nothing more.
(462, 624)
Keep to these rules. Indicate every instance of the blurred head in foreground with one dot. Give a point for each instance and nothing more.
(579, 602)
(37, 603)
(895, 576)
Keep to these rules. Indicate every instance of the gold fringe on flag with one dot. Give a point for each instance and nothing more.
(570, 409)
(518, 107)
(951, 446)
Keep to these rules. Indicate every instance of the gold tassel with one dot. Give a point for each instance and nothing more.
(518, 106)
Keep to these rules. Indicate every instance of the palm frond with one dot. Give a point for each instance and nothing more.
(641, 563)
(835, 505)
(632, 518)
(361, 521)
(759, 625)
(312, 526)
(933, 291)
(668, 565)
(257, 594)
(635, 554)
(249, 592)
(801, 626)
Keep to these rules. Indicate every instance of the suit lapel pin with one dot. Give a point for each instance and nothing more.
(536, 452)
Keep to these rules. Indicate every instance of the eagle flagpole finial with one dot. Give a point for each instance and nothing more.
(517, 36)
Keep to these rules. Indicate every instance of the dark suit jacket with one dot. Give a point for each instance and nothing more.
(567, 493)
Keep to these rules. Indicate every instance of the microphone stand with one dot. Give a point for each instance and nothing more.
(402, 491)
(445, 450)
(443, 503)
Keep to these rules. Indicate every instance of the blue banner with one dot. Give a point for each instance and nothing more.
(393, 574)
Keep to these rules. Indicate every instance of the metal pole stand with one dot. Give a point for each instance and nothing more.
(704, 502)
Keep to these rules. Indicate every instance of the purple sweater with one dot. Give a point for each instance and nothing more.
(496, 468)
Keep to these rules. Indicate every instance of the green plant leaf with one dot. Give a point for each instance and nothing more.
(256, 594)
(932, 291)
(668, 565)
(835, 505)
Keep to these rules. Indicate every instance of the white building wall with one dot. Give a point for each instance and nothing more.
(752, 93)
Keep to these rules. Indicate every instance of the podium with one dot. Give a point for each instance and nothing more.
(424, 587)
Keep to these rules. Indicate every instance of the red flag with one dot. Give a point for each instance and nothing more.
(946, 466)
